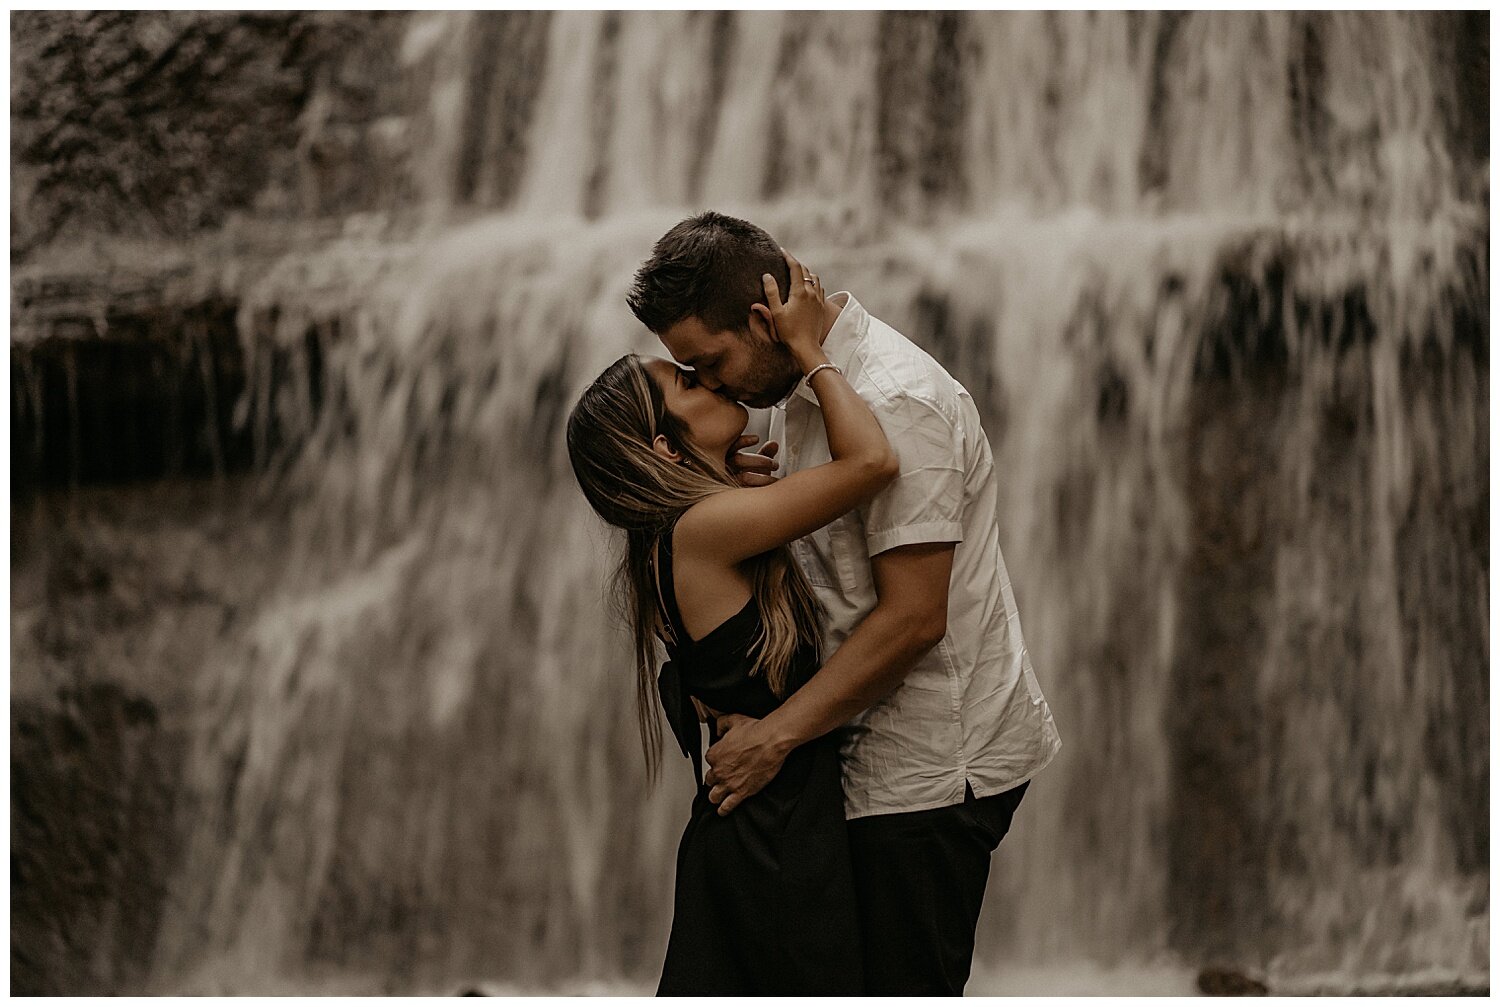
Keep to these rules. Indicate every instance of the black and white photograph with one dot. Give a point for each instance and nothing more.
(749, 503)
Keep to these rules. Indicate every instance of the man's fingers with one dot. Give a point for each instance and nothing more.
(750, 459)
(729, 721)
(754, 461)
(728, 804)
(754, 468)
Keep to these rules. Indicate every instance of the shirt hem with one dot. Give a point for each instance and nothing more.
(948, 802)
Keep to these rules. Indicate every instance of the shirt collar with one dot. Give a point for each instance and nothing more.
(842, 340)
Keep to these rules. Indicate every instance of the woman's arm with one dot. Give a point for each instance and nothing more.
(740, 523)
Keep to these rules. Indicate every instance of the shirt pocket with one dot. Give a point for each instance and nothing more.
(851, 559)
(814, 554)
(834, 557)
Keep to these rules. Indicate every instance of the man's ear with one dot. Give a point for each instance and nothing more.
(761, 325)
(663, 447)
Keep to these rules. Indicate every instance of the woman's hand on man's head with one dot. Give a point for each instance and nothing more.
(797, 321)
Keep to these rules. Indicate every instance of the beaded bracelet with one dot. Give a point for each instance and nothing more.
(809, 375)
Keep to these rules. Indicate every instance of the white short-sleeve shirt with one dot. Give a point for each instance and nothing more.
(971, 709)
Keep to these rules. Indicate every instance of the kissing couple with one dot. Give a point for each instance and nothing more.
(846, 629)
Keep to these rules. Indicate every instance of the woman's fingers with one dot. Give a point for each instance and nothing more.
(814, 285)
(796, 267)
(799, 277)
(804, 281)
(773, 292)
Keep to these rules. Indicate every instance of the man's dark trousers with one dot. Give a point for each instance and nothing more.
(920, 878)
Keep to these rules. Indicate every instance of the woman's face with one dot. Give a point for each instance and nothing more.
(713, 421)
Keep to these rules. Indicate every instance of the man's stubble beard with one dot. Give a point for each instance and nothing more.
(775, 375)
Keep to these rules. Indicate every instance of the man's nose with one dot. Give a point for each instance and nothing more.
(709, 381)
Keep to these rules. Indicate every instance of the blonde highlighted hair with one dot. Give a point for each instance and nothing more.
(633, 488)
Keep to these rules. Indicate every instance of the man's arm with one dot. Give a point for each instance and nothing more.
(909, 619)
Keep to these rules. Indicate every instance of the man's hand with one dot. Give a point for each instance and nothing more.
(909, 619)
(751, 468)
(744, 759)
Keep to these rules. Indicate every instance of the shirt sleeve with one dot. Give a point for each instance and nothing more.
(925, 503)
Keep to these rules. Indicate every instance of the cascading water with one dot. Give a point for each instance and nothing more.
(1218, 283)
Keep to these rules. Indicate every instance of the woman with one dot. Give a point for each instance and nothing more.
(764, 900)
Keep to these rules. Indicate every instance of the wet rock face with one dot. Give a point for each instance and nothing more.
(93, 783)
(149, 393)
(164, 122)
(1220, 981)
(1217, 838)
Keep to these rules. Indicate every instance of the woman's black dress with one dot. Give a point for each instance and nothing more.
(764, 902)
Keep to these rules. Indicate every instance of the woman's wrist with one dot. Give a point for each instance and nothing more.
(809, 358)
(825, 366)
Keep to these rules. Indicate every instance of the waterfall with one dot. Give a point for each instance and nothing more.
(1218, 283)
(1253, 114)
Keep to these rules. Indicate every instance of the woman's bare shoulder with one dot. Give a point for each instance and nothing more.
(702, 525)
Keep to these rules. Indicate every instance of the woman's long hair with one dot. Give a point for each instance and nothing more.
(631, 487)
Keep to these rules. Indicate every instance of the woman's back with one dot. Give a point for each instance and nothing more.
(718, 667)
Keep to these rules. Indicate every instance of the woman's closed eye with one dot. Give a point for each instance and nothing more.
(689, 378)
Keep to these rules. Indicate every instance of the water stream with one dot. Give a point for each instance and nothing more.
(1218, 283)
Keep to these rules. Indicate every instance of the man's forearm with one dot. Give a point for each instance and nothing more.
(870, 664)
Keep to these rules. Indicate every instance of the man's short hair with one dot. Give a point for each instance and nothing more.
(707, 267)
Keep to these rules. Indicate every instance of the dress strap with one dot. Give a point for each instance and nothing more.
(682, 715)
(665, 587)
(676, 701)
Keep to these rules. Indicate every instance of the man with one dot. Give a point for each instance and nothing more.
(926, 672)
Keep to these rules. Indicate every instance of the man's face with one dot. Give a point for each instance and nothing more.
(746, 367)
